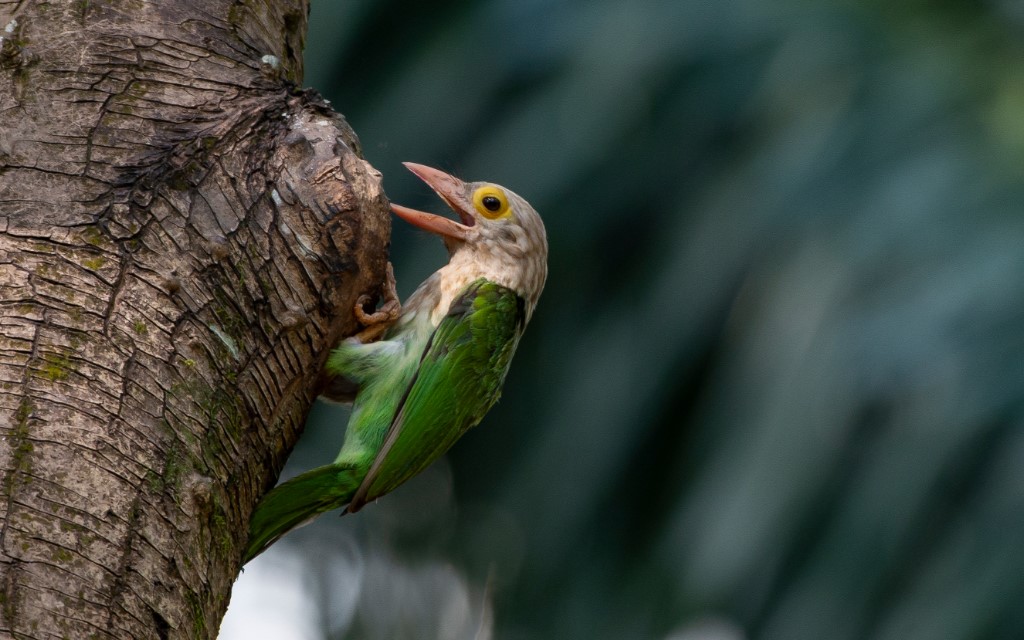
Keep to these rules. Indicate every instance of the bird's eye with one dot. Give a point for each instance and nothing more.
(490, 202)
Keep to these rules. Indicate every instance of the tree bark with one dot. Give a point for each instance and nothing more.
(183, 236)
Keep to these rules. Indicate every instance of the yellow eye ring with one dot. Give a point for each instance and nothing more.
(490, 202)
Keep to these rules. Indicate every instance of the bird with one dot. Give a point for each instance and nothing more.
(438, 366)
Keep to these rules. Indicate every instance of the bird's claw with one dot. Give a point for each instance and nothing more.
(377, 322)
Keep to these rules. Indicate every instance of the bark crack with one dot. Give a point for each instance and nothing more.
(120, 583)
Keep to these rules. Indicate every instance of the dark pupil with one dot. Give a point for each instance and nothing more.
(491, 203)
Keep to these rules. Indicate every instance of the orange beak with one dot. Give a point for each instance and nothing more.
(452, 191)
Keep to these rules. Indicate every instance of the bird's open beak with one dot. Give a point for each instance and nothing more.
(452, 191)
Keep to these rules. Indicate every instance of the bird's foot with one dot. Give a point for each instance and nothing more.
(377, 322)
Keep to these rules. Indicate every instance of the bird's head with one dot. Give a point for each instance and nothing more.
(498, 233)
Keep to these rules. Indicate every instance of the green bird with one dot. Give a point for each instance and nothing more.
(439, 367)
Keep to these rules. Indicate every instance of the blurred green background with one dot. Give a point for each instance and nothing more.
(775, 385)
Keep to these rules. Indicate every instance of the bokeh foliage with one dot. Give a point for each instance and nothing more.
(774, 386)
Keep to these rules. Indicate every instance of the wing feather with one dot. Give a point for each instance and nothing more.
(459, 378)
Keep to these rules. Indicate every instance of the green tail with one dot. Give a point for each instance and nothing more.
(298, 501)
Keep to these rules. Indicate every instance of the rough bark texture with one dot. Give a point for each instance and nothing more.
(182, 238)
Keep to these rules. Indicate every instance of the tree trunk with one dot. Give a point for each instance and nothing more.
(183, 236)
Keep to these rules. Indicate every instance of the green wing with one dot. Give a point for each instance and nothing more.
(459, 378)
